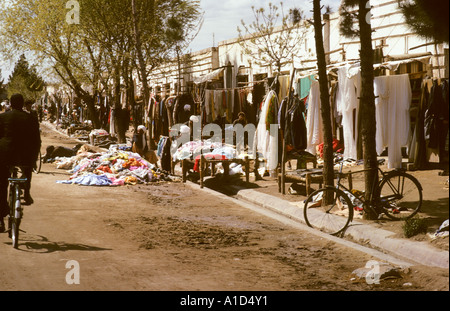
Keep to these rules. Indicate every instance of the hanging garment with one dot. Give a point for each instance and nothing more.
(282, 115)
(166, 159)
(305, 86)
(272, 111)
(184, 108)
(314, 126)
(284, 87)
(436, 116)
(381, 92)
(170, 103)
(164, 118)
(296, 125)
(399, 118)
(293, 125)
(267, 142)
(392, 116)
(347, 104)
(112, 122)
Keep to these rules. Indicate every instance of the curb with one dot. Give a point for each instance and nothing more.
(419, 252)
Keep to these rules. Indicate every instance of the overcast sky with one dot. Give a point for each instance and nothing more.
(222, 17)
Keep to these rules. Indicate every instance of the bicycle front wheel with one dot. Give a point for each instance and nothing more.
(15, 223)
(329, 210)
(400, 196)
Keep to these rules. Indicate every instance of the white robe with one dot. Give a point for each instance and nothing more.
(393, 117)
(347, 101)
(267, 141)
(381, 91)
(314, 126)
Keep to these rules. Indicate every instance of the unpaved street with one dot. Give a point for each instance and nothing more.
(170, 236)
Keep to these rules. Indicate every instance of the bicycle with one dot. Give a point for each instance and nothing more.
(330, 209)
(15, 206)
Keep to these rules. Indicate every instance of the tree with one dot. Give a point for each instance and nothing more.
(271, 46)
(40, 29)
(429, 19)
(367, 97)
(172, 24)
(25, 80)
(100, 50)
(3, 92)
(328, 170)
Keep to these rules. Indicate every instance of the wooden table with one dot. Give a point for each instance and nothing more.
(204, 162)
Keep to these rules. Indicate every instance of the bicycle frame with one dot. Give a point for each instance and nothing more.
(366, 203)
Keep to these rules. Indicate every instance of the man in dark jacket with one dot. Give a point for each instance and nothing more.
(20, 142)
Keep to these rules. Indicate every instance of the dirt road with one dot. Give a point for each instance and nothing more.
(171, 237)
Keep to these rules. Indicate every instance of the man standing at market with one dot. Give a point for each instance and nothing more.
(20, 142)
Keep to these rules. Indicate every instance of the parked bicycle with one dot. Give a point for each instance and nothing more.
(15, 206)
(397, 194)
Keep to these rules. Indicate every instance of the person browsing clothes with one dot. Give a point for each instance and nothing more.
(141, 147)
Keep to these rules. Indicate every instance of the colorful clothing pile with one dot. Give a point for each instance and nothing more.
(112, 168)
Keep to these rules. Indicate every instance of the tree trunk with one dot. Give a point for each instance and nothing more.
(90, 104)
(367, 100)
(142, 67)
(120, 115)
(328, 169)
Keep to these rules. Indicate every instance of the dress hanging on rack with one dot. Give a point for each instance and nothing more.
(314, 126)
(347, 103)
(266, 142)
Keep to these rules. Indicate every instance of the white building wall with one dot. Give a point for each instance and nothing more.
(390, 32)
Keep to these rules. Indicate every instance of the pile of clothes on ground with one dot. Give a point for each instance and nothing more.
(116, 167)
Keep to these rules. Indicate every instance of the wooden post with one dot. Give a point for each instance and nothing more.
(350, 180)
(184, 169)
(308, 183)
(247, 169)
(279, 179)
(202, 162)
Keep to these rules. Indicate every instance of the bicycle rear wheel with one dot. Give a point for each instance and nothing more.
(13, 221)
(400, 196)
(329, 210)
